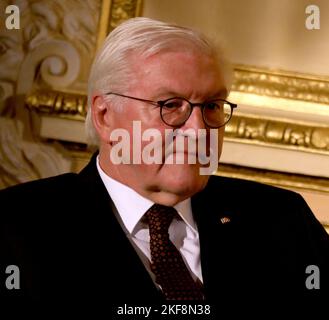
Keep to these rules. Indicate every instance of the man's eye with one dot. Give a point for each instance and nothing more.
(212, 106)
(172, 104)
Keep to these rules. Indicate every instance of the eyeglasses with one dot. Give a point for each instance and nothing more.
(175, 111)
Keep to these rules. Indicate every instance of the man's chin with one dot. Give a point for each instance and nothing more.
(184, 185)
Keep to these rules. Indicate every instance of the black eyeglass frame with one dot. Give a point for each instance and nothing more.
(162, 103)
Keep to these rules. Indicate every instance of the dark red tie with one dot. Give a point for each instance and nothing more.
(167, 263)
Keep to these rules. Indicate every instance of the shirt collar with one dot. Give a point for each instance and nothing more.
(131, 205)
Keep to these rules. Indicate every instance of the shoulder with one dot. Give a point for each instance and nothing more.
(39, 195)
(52, 184)
(258, 205)
(256, 202)
(247, 189)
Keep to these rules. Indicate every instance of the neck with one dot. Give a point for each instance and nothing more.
(153, 193)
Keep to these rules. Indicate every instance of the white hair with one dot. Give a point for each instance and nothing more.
(143, 37)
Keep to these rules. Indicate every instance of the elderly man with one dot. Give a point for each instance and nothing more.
(145, 221)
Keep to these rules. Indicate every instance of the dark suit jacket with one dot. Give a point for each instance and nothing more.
(64, 237)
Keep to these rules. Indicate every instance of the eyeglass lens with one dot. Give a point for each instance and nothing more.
(177, 110)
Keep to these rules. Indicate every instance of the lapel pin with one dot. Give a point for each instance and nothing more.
(225, 220)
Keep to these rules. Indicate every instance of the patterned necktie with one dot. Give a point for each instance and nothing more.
(167, 263)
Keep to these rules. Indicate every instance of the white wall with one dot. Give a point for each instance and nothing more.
(265, 33)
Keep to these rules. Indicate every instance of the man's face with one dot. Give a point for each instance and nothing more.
(191, 75)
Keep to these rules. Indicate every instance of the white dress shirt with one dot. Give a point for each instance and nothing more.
(131, 208)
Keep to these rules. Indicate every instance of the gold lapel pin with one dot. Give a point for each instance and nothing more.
(225, 220)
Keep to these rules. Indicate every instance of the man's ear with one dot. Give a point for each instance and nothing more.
(101, 118)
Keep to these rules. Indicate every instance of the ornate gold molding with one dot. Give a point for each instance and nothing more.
(281, 84)
(245, 129)
(281, 133)
(58, 103)
(121, 10)
(114, 12)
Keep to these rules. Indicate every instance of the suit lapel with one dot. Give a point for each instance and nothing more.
(219, 233)
(121, 266)
(208, 227)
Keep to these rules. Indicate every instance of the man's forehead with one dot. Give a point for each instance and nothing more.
(169, 71)
(173, 59)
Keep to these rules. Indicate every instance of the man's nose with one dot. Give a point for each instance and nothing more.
(195, 121)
